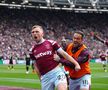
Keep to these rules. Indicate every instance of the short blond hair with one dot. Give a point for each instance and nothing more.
(35, 26)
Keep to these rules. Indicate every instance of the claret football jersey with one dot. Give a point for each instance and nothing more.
(43, 55)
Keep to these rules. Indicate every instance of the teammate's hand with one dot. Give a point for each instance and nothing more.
(56, 57)
(77, 67)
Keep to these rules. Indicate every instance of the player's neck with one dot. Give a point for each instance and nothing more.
(41, 41)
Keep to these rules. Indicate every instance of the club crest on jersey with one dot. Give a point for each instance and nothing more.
(34, 51)
(47, 46)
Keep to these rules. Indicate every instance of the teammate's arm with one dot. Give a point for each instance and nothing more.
(83, 57)
(68, 57)
(101, 40)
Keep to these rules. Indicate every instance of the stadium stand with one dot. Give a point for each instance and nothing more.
(15, 28)
(17, 19)
(60, 18)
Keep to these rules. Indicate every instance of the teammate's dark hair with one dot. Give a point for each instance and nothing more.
(81, 33)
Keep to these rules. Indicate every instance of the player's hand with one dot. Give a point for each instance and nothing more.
(56, 57)
(77, 67)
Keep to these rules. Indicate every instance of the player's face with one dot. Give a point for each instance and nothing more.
(37, 34)
(77, 39)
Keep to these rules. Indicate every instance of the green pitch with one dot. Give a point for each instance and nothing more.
(19, 78)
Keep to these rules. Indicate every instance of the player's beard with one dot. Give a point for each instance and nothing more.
(76, 44)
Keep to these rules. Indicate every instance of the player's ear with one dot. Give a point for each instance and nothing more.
(43, 34)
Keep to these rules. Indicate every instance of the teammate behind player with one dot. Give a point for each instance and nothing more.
(103, 60)
(79, 80)
(47, 68)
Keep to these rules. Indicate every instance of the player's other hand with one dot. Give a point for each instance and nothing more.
(77, 67)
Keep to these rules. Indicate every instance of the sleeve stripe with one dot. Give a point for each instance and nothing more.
(53, 43)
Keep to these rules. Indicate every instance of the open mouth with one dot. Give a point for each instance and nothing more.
(35, 37)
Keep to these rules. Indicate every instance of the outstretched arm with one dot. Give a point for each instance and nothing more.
(63, 61)
(101, 40)
(83, 57)
(68, 57)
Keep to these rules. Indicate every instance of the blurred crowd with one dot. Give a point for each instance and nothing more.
(15, 28)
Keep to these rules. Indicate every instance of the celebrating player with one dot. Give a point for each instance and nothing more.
(79, 80)
(47, 68)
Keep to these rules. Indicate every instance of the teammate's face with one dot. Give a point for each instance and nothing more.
(77, 39)
(37, 34)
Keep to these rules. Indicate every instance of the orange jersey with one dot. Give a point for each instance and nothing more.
(85, 68)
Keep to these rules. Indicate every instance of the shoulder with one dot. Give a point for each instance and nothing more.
(54, 44)
(51, 41)
(31, 49)
(85, 51)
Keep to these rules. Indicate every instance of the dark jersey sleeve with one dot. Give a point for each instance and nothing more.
(55, 45)
(83, 57)
(66, 63)
(106, 42)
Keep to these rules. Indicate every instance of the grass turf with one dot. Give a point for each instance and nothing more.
(19, 78)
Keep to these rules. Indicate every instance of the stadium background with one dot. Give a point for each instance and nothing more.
(59, 18)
